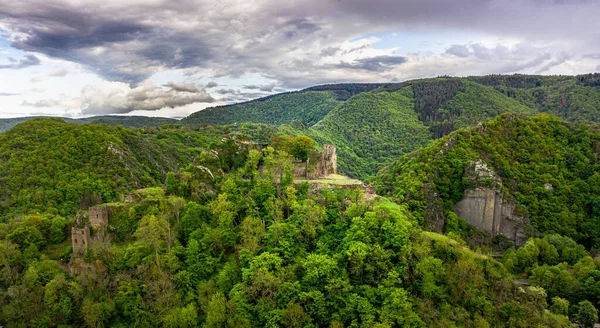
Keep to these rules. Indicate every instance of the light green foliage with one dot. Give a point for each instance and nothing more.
(301, 146)
(560, 306)
(309, 107)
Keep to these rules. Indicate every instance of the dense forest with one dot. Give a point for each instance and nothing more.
(210, 225)
(227, 239)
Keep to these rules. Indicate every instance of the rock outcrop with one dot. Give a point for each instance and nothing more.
(488, 208)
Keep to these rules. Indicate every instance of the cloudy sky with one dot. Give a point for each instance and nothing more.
(170, 58)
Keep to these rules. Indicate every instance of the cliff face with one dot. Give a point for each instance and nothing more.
(487, 208)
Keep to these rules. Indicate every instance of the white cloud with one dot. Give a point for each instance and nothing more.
(120, 98)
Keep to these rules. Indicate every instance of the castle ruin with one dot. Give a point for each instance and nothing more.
(80, 239)
(98, 216)
(318, 166)
(81, 234)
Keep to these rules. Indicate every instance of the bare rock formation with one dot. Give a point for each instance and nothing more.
(488, 208)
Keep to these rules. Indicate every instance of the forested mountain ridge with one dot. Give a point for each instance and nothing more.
(442, 105)
(306, 107)
(113, 120)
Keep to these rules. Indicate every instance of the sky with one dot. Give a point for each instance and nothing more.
(79, 58)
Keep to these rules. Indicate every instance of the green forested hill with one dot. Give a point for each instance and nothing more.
(257, 250)
(369, 134)
(308, 106)
(373, 128)
(126, 121)
(527, 154)
(370, 129)
(50, 165)
(572, 98)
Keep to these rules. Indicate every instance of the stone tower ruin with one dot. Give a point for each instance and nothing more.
(98, 216)
(80, 240)
(328, 163)
(81, 235)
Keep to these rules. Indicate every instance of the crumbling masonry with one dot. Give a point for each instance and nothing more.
(81, 236)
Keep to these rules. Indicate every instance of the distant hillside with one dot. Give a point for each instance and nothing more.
(112, 120)
(370, 128)
(374, 128)
(549, 167)
(572, 98)
(308, 106)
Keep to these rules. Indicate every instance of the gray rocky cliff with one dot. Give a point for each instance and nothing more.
(486, 207)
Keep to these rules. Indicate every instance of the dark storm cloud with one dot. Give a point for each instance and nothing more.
(115, 44)
(265, 88)
(182, 87)
(284, 41)
(375, 64)
(26, 61)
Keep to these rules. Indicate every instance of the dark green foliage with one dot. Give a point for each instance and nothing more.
(348, 90)
(587, 316)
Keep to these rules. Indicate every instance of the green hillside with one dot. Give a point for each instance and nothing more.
(373, 128)
(50, 165)
(370, 129)
(126, 121)
(255, 251)
(527, 154)
(573, 98)
(308, 106)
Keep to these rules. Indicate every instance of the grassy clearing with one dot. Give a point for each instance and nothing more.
(332, 179)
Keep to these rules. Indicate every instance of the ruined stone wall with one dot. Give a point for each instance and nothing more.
(328, 160)
(299, 169)
(80, 239)
(98, 216)
(326, 165)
